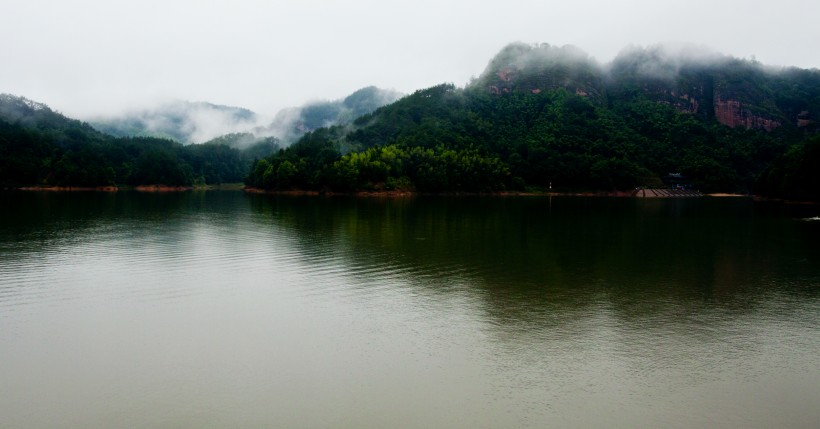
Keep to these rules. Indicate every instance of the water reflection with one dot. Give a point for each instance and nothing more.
(522, 259)
(598, 300)
(56, 246)
(568, 251)
(226, 309)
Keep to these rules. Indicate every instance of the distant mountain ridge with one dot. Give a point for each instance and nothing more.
(292, 123)
(41, 147)
(31, 114)
(538, 117)
(183, 121)
(198, 122)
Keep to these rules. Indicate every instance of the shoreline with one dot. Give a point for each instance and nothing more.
(68, 188)
(405, 194)
(126, 188)
(728, 195)
(236, 187)
(162, 188)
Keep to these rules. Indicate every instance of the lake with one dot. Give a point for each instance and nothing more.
(221, 309)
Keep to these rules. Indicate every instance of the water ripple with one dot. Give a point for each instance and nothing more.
(305, 308)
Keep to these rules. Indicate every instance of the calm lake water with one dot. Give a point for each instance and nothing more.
(220, 309)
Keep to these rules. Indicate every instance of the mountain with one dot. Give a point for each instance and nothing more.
(538, 117)
(734, 92)
(25, 113)
(547, 117)
(250, 145)
(31, 137)
(183, 121)
(535, 68)
(292, 123)
(40, 147)
(198, 122)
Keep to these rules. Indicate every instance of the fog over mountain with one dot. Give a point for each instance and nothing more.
(665, 60)
(98, 57)
(183, 121)
(538, 115)
(199, 122)
(290, 124)
(736, 92)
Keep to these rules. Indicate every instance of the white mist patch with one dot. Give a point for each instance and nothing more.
(205, 124)
(199, 122)
(664, 61)
(285, 125)
(186, 122)
(292, 123)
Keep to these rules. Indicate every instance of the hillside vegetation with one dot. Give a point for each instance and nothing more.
(539, 117)
(542, 116)
(40, 147)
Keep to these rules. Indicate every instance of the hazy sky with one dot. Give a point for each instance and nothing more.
(86, 57)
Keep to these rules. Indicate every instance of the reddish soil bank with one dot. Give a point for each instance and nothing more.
(162, 188)
(414, 193)
(69, 188)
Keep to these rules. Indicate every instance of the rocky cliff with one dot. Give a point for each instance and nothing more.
(733, 113)
(731, 91)
(535, 68)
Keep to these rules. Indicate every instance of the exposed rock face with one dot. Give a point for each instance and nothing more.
(712, 96)
(733, 114)
(686, 103)
(506, 74)
(803, 119)
(521, 68)
(734, 92)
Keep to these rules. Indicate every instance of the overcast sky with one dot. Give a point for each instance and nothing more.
(88, 57)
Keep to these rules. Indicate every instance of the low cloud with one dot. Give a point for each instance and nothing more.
(199, 122)
(664, 61)
(186, 122)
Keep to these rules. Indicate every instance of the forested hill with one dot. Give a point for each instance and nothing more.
(32, 115)
(538, 117)
(292, 123)
(710, 86)
(541, 115)
(40, 147)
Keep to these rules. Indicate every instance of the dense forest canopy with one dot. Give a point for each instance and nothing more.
(551, 117)
(539, 117)
(41, 147)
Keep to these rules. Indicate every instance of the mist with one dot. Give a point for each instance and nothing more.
(291, 123)
(92, 58)
(664, 61)
(200, 122)
(183, 121)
